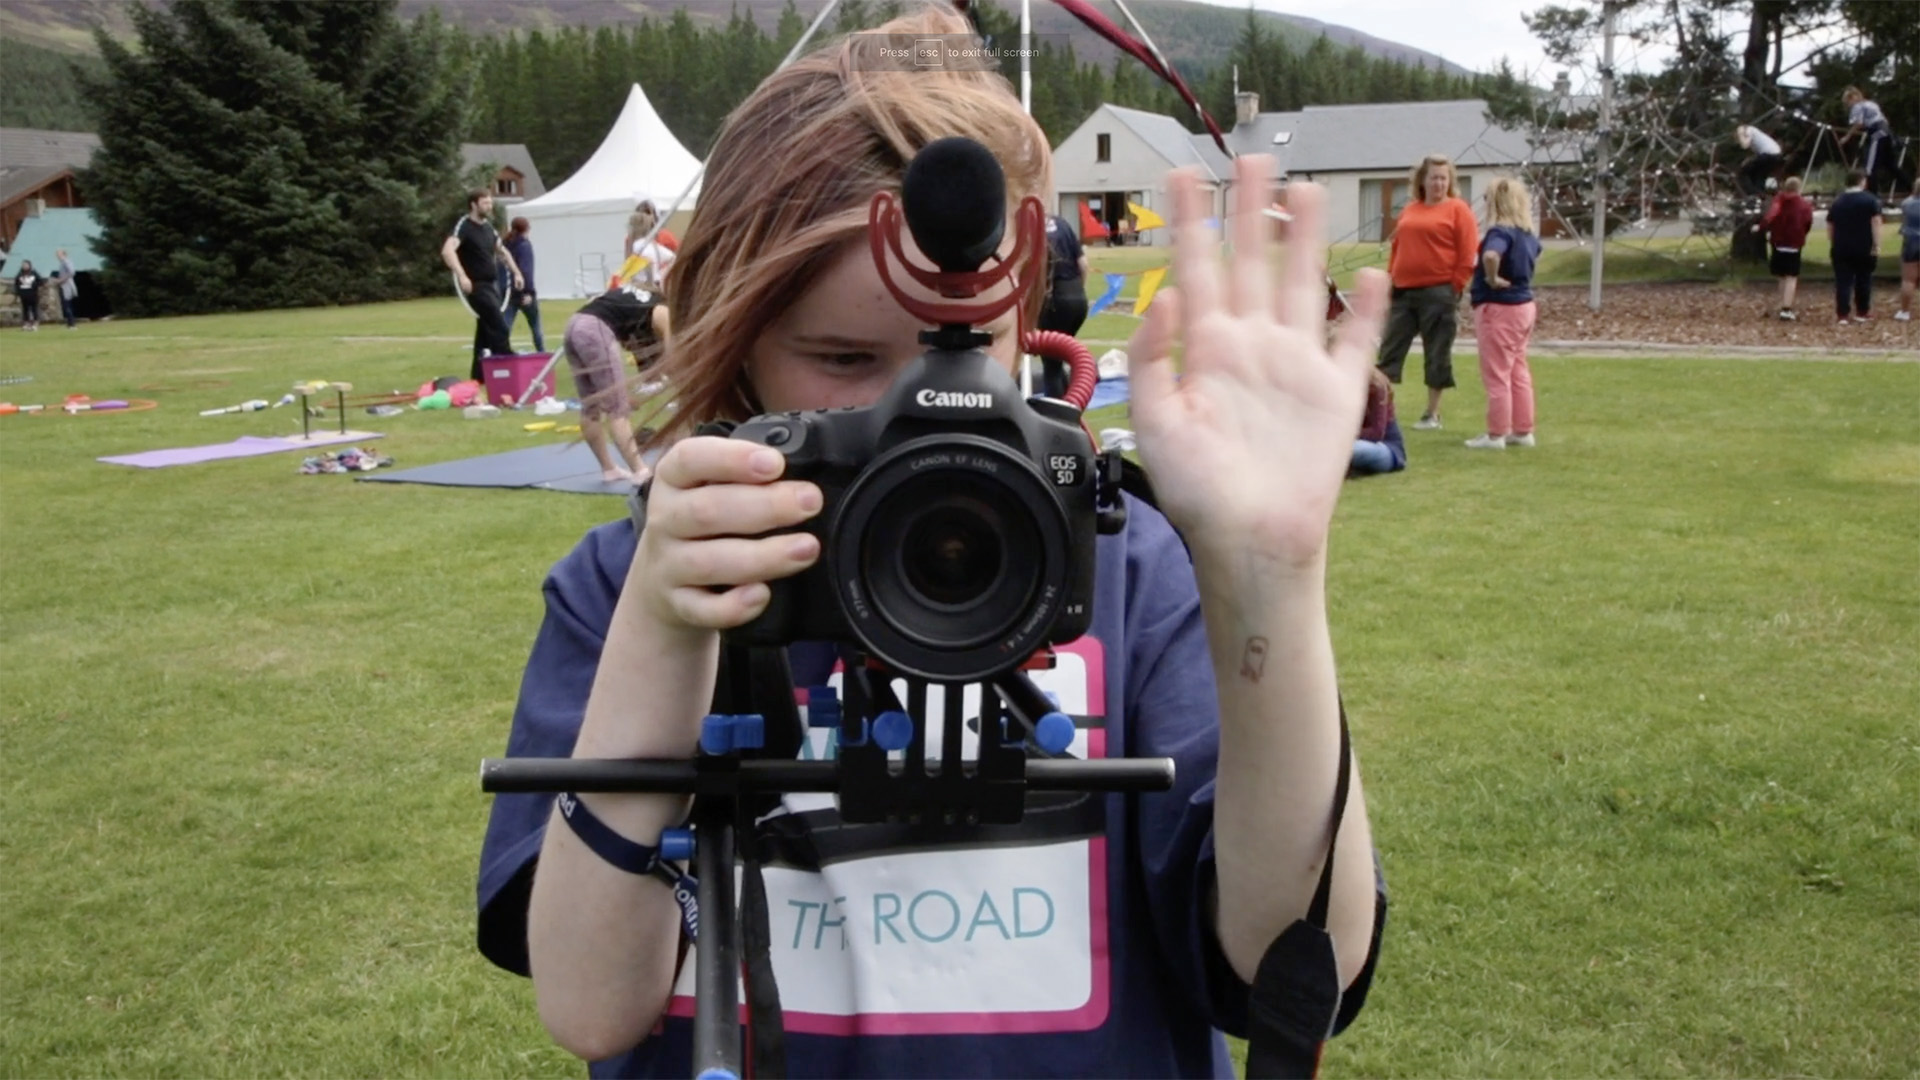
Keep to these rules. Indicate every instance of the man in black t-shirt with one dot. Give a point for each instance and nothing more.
(1853, 227)
(474, 253)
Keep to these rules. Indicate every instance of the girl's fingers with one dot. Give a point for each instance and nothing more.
(1195, 246)
(1302, 296)
(718, 509)
(709, 459)
(736, 560)
(1358, 340)
(711, 610)
(1150, 357)
(1250, 279)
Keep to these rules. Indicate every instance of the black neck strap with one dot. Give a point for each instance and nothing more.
(1295, 1000)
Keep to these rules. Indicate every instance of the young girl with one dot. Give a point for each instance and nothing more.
(26, 289)
(659, 257)
(1504, 313)
(624, 318)
(1379, 447)
(1115, 944)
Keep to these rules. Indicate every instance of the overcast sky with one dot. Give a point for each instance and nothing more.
(1476, 33)
(1472, 33)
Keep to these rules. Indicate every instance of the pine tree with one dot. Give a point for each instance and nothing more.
(248, 160)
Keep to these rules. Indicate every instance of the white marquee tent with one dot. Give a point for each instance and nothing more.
(578, 226)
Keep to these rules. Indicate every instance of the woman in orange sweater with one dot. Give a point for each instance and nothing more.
(1430, 263)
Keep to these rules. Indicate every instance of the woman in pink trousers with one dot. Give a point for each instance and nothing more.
(1502, 297)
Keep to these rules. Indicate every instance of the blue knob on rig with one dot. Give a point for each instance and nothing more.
(723, 734)
(823, 707)
(676, 845)
(893, 730)
(1054, 732)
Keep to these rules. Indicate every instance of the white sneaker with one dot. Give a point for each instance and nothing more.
(1487, 442)
(1520, 440)
(1427, 423)
(1902, 316)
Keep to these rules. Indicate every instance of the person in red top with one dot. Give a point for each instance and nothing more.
(1787, 221)
(1431, 261)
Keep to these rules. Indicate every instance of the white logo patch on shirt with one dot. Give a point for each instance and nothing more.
(1009, 938)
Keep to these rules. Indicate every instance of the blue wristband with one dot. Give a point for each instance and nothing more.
(616, 850)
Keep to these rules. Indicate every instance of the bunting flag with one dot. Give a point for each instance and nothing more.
(1114, 281)
(1090, 227)
(1143, 218)
(633, 265)
(1149, 284)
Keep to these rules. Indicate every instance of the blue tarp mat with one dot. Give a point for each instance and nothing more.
(567, 467)
(1109, 392)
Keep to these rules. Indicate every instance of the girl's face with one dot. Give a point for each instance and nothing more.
(846, 339)
(1438, 179)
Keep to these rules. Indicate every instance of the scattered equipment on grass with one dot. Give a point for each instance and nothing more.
(246, 406)
(306, 391)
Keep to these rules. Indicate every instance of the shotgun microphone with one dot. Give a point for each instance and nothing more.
(954, 198)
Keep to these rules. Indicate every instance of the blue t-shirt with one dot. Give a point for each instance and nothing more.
(1076, 943)
(1518, 250)
(1867, 115)
(1910, 219)
(521, 249)
(1851, 219)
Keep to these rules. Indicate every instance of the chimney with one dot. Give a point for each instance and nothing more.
(1246, 106)
(1562, 86)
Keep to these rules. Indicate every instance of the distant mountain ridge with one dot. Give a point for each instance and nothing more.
(1191, 34)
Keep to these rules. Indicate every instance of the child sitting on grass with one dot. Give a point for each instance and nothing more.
(1378, 448)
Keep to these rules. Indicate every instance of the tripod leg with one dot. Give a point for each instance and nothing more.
(716, 1023)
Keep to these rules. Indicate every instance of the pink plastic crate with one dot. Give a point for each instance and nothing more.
(509, 379)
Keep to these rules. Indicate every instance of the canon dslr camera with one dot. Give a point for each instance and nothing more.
(957, 535)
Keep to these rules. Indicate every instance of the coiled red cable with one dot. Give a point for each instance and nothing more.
(1084, 373)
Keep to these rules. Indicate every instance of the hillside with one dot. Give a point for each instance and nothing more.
(1191, 34)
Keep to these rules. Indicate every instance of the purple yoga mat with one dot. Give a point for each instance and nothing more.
(244, 446)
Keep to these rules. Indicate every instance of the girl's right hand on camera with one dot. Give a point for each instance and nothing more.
(698, 566)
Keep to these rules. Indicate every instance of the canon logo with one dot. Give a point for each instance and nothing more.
(942, 399)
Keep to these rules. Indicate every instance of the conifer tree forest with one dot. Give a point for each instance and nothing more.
(306, 152)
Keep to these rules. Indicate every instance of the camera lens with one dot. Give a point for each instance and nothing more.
(952, 556)
(942, 557)
(949, 557)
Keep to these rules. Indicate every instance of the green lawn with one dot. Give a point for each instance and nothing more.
(1655, 259)
(1629, 708)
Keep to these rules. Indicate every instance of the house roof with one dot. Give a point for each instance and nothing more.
(1171, 140)
(27, 148)
(1346, 138)
(24, 149)
(511, 155)
(16, 183)
(72, 229)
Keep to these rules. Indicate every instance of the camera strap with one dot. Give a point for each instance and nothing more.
(766, 1024)
(1295, 1000)
(759, 680)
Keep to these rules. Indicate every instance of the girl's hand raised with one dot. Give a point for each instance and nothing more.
(1249, 442)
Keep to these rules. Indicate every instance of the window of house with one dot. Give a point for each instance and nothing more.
(1103, 148)
(1382, 200)
(1380, 204)
(506, 185)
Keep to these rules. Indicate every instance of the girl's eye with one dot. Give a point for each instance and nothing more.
(846, 359)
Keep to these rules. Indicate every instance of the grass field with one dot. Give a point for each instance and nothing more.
(1654, 259)
(1629, 705)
